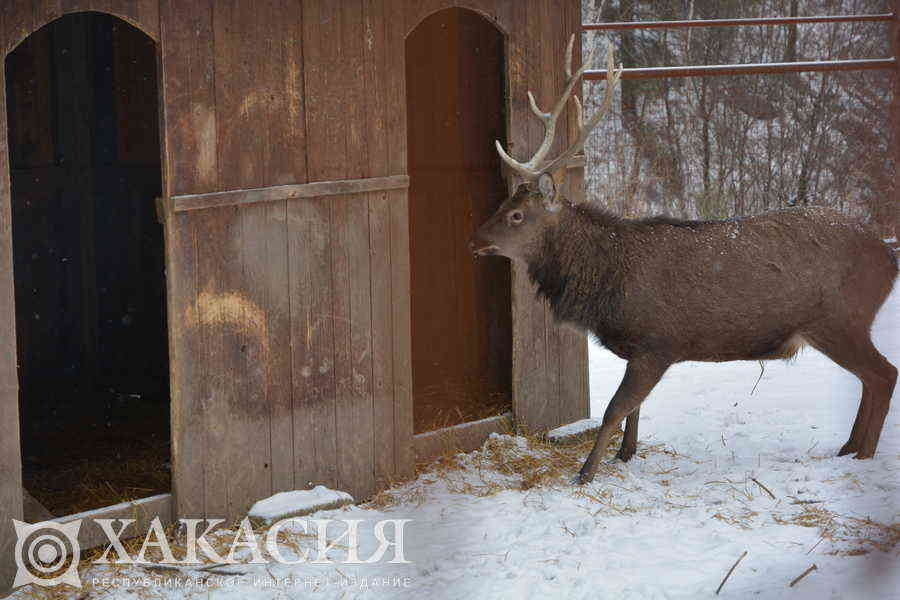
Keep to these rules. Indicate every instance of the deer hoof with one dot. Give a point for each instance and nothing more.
(850, 447)
(581, 479)
(625, 454)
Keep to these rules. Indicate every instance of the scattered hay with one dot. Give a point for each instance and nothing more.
(455, 402)
(741, 519)
(849, 536)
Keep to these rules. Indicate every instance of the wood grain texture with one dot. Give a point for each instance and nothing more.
(353, 301)
(10, 453)
(288, 192)
(285, 152)
(222, 319)
(312, 341)
(530, 363)
(574, 401)
(459, 438)
(188, 78)
(398, 234)
(189, 139)
(376, 74)
(143, 511)
(402, 338)
(185, 368)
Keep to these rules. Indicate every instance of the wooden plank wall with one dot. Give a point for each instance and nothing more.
(289, 320)
(293, 307)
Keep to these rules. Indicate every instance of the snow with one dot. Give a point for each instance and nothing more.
(667, 525)
(295, 503)
(573, 430)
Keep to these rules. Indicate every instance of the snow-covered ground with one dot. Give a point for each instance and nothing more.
(668, 525)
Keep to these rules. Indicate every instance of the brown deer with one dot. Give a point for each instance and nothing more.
(659, 291)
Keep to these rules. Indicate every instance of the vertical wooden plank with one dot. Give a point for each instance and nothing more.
(10, 449)
(258, 286)
(189, 139)
(352, 301)
(314, 289)
(552, 76)
(286, 163)
(286, 150)
(376, 73)
(324, 83)
(530, 393)
(398, 202)
(385, 429)
(895, 117)
(185, 366)
(188, 80)
(352, 341)
(243, 90)
(312, 341)
(222, 314)
(402, 334)
(241, 94)
(267, 278)
(574, 402)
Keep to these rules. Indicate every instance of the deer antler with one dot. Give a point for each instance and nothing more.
(532, 169)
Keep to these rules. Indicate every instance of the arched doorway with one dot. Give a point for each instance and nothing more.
(84, 151)
(461, 308)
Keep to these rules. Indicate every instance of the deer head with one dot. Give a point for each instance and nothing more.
(540, 193)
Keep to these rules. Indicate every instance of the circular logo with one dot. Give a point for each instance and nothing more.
(42, 550)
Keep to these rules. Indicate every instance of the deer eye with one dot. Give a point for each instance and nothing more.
(516, 217)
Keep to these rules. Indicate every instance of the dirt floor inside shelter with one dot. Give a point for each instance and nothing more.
(118, 449)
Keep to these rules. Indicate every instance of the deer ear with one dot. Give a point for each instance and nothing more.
(549, 193)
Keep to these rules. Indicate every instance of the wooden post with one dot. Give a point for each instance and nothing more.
(10, 451)
(893, 205)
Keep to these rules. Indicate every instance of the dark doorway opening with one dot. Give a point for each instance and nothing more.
(83, 118)
(461, 308)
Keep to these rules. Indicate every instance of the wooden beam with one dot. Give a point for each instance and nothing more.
(894, 212)
(713, 70)
(288, 192)
(734, 22)
(459, 438)
(143, 511)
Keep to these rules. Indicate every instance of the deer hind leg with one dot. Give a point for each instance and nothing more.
(856, 353)
(629, 440)
(641, 375)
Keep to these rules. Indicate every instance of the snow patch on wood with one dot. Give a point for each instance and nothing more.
(296, 503)
(573, 431)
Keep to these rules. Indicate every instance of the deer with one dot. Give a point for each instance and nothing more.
(658, 291)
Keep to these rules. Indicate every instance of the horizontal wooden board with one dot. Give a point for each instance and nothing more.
(459, 438)
(143, 511)
(289, 192)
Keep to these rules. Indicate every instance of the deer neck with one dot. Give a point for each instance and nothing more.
(556, 264)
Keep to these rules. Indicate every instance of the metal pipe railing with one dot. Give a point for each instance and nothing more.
(745, 69)
(735, 22)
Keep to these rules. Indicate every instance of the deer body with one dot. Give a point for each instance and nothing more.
(659, 291)
(742, 289)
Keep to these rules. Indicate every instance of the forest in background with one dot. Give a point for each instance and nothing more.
(714, 147)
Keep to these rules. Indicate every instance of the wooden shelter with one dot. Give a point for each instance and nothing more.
(320, 166)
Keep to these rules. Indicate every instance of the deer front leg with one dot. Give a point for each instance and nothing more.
(641, 375)
(629, 440)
